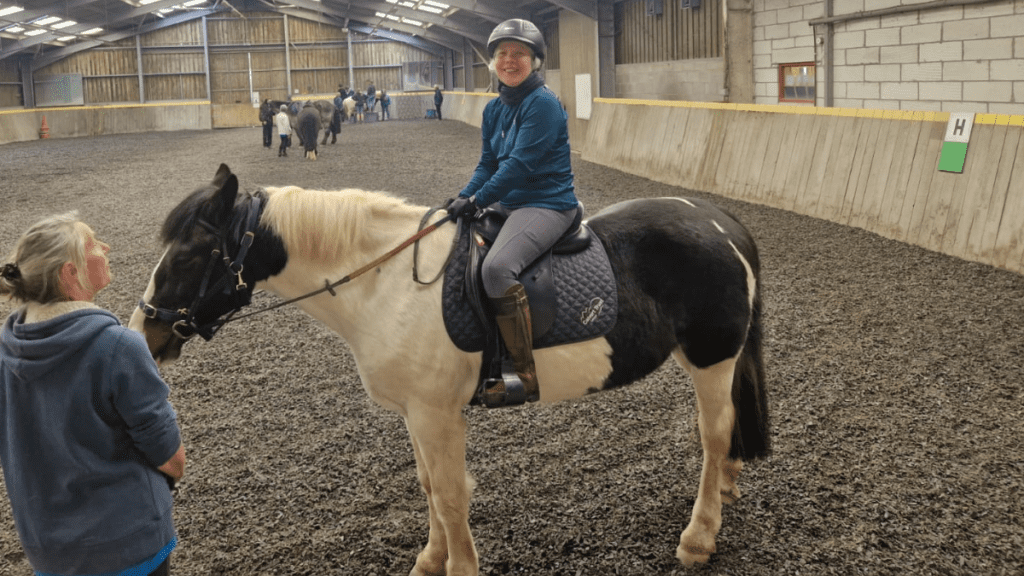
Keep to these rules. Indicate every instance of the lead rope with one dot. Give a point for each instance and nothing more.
(329, 286)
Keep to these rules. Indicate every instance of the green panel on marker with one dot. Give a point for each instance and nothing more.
(953, 156)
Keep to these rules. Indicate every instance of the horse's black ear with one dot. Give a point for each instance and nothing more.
(222, 175)
(223, 198)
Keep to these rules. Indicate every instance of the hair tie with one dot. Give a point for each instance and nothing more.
(10, 271)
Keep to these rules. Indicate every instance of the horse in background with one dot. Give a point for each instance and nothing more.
(324, 108)
(308, 125)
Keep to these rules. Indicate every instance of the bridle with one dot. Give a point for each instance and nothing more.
(183, 321)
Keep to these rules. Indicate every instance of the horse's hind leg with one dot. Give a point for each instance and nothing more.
(715, 417)
(439, 442)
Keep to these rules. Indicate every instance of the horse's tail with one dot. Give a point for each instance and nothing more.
(750, 435)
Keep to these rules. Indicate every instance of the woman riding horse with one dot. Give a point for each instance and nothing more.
(525, 171)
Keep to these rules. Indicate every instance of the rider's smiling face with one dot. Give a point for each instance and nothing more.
(513, 62)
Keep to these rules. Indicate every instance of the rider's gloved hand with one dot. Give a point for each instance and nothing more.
(462, 207)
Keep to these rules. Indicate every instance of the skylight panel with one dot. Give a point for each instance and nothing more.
(47, 21)
(411, 21)
(63, 24)
(192, 3)
(14, 29)
(437, 4)
(65, 38)
(36, 32)
(93, 31)
(430, 9)
(144, 2)
(10, 10)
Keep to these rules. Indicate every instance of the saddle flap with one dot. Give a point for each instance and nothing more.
(572, 296)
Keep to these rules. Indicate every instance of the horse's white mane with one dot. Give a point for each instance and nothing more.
(321, 226)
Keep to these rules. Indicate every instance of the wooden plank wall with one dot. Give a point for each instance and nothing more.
(872, 169)
(174, 65)
(75, 121)
(677, 34)
(10, 83)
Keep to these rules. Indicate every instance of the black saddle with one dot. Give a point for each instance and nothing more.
(571, 288)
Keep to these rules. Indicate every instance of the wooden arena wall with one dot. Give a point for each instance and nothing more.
(873, 169)
(18, 125)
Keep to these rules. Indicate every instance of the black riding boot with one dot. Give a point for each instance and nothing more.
(512, 314)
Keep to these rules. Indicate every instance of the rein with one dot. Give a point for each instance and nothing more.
(330, 286)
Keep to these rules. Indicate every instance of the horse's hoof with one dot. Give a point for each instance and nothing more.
(690, 555)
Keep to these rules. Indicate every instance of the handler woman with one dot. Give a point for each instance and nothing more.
(89, 444)
(525, 172)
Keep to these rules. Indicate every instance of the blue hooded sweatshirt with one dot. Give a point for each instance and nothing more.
(84, 424)
(525, 159)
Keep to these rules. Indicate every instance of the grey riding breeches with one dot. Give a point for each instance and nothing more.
(526, 234)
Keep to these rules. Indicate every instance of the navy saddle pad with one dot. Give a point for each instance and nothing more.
(572, 296)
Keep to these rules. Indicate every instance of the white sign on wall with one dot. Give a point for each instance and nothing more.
(584, 98)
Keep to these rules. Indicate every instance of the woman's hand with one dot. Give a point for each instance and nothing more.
(460, 207)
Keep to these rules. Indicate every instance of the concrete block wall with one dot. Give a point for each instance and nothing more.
(781, 36)
(699, 80)
(953, 59)
(873, 169)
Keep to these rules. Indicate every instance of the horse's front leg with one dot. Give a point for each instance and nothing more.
(715, 417)
(439, 442)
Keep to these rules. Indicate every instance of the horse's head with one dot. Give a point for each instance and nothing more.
(215, 253)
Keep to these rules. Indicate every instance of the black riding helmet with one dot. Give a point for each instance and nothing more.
(521, 31)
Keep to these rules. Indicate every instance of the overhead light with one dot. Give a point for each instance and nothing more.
(93, 31)
(14, 29)
(411, 21)
(430, 9)
(47, 21)
(36, 32)
(166, 10)
(10, 10)
(437, 4)
(64, 24)
(144, 2)
(65, 38)
(192, 3)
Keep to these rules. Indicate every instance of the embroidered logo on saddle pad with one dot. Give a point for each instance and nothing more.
(572, 296)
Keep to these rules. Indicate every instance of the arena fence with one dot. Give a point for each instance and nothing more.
(872, 169)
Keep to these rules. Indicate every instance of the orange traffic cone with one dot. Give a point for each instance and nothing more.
(44, 130)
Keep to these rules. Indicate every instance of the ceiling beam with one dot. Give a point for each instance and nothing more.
(78, 28)
(83, 45)
(587, 8)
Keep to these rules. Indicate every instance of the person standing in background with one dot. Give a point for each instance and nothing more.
(438, 99)
(267, 120)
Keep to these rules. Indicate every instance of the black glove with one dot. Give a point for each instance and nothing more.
(462, 207)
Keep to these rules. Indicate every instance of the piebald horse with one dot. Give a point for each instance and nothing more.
(688, 287)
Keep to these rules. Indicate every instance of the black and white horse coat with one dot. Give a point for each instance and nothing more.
(688, 287)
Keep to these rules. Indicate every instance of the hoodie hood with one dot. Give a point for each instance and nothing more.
(35, 348)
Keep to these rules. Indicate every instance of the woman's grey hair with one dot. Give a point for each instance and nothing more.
(40, 254)
(537, 63)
